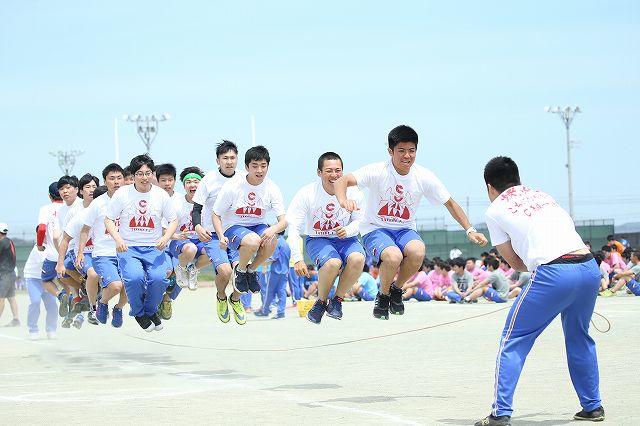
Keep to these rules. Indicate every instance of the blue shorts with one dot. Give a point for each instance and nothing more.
(376, 241)
(107, 268)
(176, 246)
(70, 262)
(492, 295)
(321, 249)
(217, 255)
(48, 270)
(236, 233)
(634, 287)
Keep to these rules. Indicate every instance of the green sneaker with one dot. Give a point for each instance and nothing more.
(223, 310)
(165, 310)
(238, 311)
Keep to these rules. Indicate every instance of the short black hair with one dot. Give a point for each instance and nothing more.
(224, 147)
(428, 264)
(400, 134)
(256, 153)
(606, 248)
(328, 156)
(126, 171)
(68, 180)
(141, 160)
(99, 191)
(192, 169)
(494, 251)
(86, 179)
(473, 259)
(443, 265)
(484, 254)
(636, 253)
(599, 257)
(365, 267)
(112, 168)
(501, 173)
(458, 261)
(610, 238)
(493, 262)
(166, 169)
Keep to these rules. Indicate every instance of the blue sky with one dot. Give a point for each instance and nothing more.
(471, 77)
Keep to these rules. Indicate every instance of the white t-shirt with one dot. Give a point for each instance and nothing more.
(33, 267)
(394, 199)
(71, 210)
(103, 243)
(48, 216)
(184, 209)
(73, 228)
(315, 213)
(240, 203)
(538, 228)
(140, 214)
(207, 193)
(174, 198)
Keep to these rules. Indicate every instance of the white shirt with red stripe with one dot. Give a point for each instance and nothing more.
(393, 198)
(240, 203)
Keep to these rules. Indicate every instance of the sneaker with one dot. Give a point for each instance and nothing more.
(66, 322)
(252, 280)
(91, 317)
(222, 307)
(63, 309)
(51, 335)
(116, 318)
(78, 321)
(157, 324)
(334, 308)
(145, 323)
(74, 305)
(102, 312)
(607, 293)
(192, 277)
(396, 307)
(181, 276)
(238, 311)
(239, 281)
(261, 313)
(13, 323)
(317, 311)
(165, 310)
(34, 336)
(491, 420)
(278, 316)
(381, 306)
(596, 415)
(83, 304)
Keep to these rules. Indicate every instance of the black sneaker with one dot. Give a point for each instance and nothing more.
(334, 308)
(596, 415)
(239, 281)
(381, 306)
(396, 307)
(145, 323)
(63, 310)
(157, 323)
(492, 420)
(317, 311)
(91, 317)
(252, 281)
(66, 322)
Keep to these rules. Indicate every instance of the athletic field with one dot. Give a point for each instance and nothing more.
(434, 365)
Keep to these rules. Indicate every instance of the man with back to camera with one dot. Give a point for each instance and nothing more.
(8, 275)
(389, 226)
(533, 233)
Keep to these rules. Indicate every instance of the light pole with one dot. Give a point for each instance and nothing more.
(567, 114)
(147, 126)
(66, 159)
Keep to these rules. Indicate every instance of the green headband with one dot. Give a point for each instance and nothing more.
(191, 176)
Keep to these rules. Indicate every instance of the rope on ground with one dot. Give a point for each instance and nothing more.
(604, 318)
(325, 345)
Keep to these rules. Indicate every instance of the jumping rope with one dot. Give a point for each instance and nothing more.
(604, 318)
(325, 345)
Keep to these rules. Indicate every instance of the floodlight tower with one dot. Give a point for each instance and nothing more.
(147, 126)
(66, 159)
(567, 115)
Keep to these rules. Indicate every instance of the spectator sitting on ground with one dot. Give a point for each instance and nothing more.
(417, 285)
(461, 281)
(630, 278)
(495, 288)
(605, 270)
(519, 279)
(588, 244)
(365, 288)
(494, 252)
(613, 259)
(480, 262)
(505, 268)
(615, 244)
(476, 272)
(439, 283)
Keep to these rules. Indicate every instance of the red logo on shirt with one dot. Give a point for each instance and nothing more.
(325, 220)
(141, 221)
(397, 206)
(251, 208)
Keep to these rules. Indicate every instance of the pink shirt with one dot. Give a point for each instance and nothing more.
(479, 274)
(615, 261)
(435, 280)
(421, 279)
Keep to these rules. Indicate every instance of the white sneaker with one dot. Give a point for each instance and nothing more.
(34, 336)
(192, 273)
(51, 335)
(182, 277)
